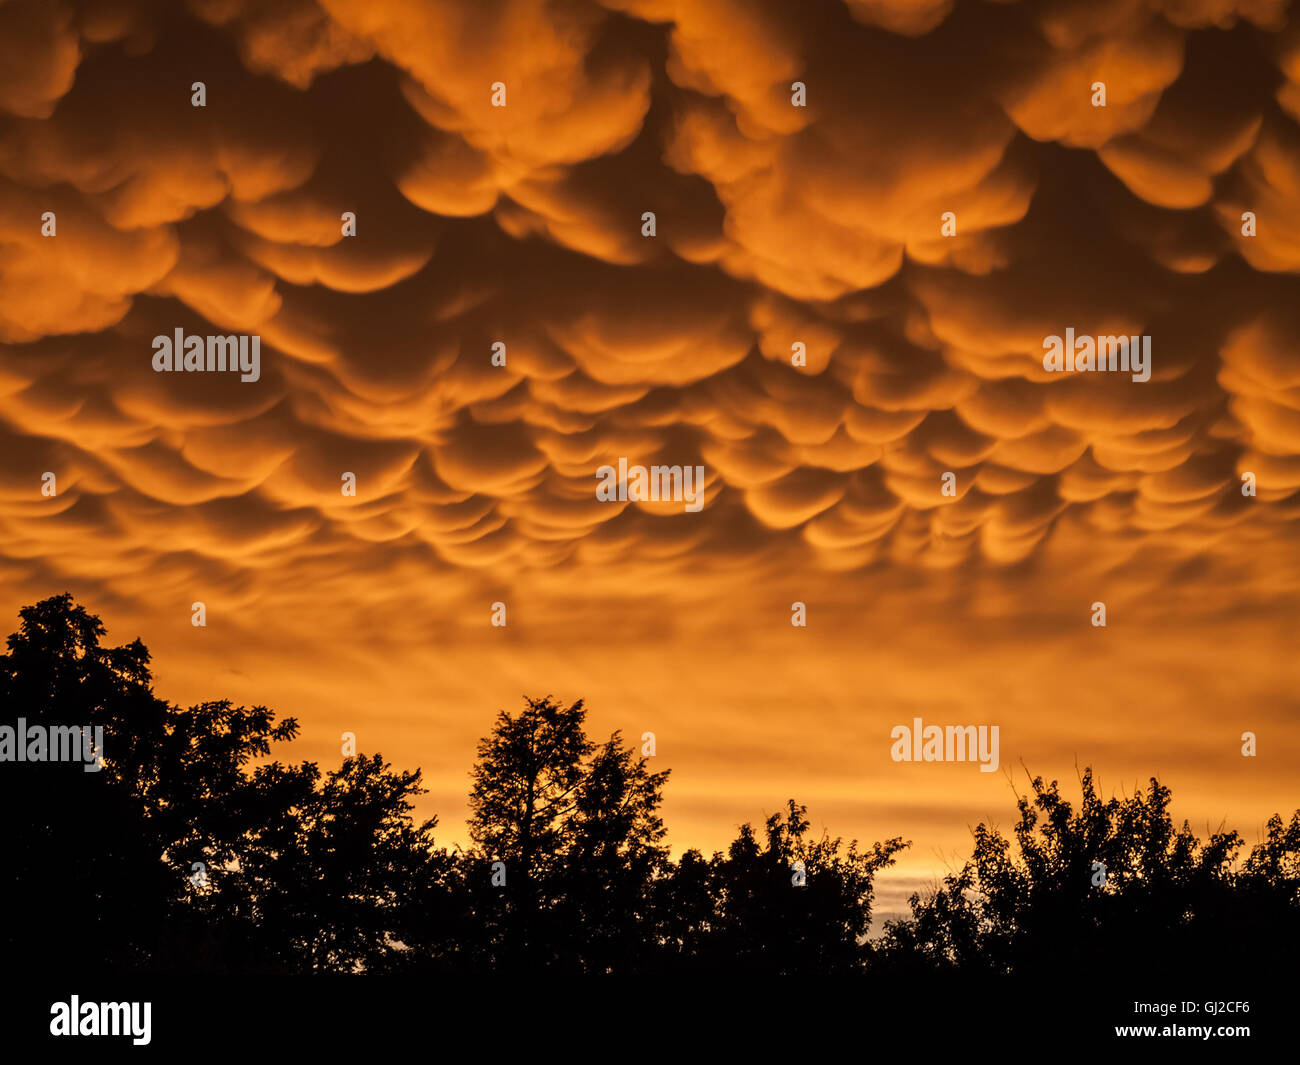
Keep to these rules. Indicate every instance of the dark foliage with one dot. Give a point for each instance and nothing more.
(307, 870)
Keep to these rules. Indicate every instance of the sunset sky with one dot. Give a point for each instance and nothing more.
(776, 225)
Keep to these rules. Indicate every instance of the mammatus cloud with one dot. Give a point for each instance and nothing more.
(947, 195)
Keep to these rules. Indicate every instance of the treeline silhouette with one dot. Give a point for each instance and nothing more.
(311, 870)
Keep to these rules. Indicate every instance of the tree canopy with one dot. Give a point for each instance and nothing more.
(196, 848)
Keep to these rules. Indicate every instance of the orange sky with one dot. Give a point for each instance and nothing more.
(775, 224)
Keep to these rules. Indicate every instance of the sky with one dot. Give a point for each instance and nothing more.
(911, 195)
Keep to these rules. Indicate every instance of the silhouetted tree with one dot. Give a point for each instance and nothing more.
(796, 904)
(577, 830)
(603, 890)
(81, 873)
(334, 866)
(1114, 883)
(297, 874)
(525, 786)
(314, 871)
